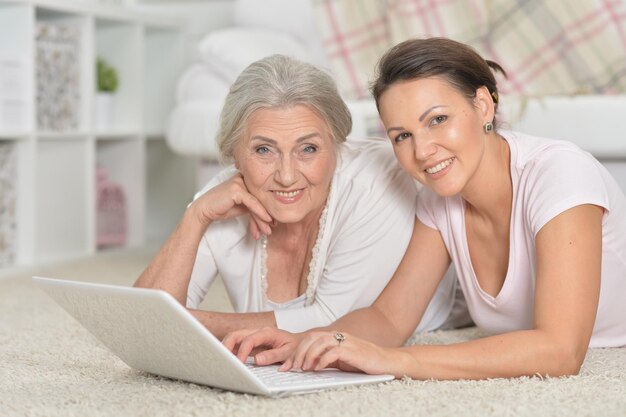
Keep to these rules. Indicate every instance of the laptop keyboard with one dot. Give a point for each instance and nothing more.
(271, 376)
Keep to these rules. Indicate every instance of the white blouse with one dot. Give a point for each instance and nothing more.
(369, 222)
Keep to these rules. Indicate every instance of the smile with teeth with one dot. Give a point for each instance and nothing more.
(439, 166)
(287, 194)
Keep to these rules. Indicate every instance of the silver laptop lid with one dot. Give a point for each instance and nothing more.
(150, 331)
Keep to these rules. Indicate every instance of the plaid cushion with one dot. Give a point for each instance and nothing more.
(355, 34)
(546, 47)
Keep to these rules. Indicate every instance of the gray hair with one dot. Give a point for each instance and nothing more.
(276, 82)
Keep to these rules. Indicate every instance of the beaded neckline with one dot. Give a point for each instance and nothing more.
(312, 275)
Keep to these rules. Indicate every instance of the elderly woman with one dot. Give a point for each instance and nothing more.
(304, 227)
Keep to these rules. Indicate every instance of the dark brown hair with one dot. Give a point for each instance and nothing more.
(456, 62)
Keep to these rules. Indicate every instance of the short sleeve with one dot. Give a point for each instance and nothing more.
(429, 208)
(558, 181)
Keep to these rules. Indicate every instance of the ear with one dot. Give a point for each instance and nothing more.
(484, 103)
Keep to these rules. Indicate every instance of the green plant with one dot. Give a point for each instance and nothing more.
(106, 76)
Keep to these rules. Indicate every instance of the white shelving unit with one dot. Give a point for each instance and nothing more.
(56, 170)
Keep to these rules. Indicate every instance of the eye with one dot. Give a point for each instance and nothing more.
(262, 150)
(309, 149)
(438, 120)
(402, 136)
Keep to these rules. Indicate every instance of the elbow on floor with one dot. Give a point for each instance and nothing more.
(566, 362)
(568, 370)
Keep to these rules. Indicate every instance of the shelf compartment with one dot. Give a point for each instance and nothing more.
(63, 179)
(62, 42)
(120, 44)
(16, 67)
(8, 203)
(123, 162)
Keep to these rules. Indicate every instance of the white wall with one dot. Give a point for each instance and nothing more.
(200, 16)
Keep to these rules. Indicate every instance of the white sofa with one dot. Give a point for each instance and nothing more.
(595, 123)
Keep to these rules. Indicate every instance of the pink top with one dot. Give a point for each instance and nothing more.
(548, 178)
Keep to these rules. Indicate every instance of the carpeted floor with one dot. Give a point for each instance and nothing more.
(51, 366)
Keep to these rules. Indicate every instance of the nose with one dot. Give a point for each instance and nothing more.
(285, 173)
(423, 147)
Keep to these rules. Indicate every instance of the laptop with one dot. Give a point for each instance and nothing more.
(149, 330)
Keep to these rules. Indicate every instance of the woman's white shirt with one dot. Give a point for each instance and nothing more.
(369, 222)
(548, 178)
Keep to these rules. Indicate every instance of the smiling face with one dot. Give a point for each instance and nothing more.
(287, 158)
(436, 131)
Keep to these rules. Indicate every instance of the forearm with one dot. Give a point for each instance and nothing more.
(221, 324)
(372, 325)
(171, 268)
(508, 355)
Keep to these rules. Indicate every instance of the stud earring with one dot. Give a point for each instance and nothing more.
(488, 127)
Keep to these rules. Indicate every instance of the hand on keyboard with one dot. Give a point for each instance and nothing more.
(273, 345)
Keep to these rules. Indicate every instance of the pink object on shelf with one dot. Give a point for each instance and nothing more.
(110, 211)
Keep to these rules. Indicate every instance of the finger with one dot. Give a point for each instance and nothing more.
(329, 357)
(344, 359)
(302, 349)
(232, 340)
(272, 356)
(260, 224)
(316, 350)
(254, 230)
(264, 337)
(287, 365)
(254, 206)
(246, 345)
(352, 357)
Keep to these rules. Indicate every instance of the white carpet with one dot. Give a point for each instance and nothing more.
(51, 366)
